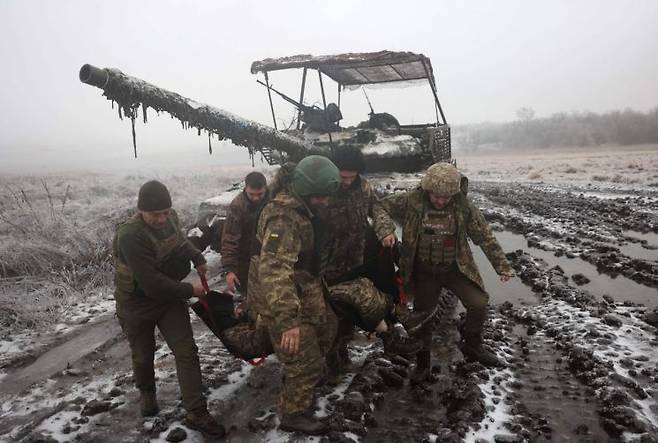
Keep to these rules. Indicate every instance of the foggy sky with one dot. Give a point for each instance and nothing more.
(490, 58)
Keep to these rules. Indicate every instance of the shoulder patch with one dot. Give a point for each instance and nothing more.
(272, 241)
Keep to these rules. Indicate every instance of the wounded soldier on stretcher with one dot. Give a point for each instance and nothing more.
(367, 296)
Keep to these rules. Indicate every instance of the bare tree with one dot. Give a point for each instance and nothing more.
(525, 114)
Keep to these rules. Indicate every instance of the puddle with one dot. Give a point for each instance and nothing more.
(620, 288)
(513, 290)
(650, 237)
(635, 250)
(638, 250)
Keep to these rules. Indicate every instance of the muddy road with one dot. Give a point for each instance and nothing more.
(577, 327)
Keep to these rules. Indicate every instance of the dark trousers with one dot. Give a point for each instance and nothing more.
(139, 317)
(243, 276)
(428, 286)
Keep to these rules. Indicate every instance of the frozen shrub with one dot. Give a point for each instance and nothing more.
(55, 238)
(535, 175)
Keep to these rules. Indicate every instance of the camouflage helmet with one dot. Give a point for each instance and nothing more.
(442, 179)
(315, 175)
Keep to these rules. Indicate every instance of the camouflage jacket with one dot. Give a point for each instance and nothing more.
(285, 286)
(281, 178)
(407, 208)
(151, 262)
(239, 232)
(348, 220)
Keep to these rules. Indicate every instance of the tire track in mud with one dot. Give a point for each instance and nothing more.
(93, 338)
(546, 397)
(606, 347)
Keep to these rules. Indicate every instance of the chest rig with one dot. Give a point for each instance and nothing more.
(437, 242)
(163, 248)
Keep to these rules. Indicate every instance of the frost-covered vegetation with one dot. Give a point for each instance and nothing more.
(56, 233)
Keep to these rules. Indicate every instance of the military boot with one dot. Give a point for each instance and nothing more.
(421, 372)
(148, 403)
(205, 423)
(472, 348)
(304, 422)
(413, 320)
(396, 344)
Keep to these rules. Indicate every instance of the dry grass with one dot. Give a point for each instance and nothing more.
(56, 233)
(49, 258)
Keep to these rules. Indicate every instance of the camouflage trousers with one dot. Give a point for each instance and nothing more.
(367, 306)
(248, 340)
(138, 317)
(361, 296)
(307, 367)
(427, 287)
(356, 302)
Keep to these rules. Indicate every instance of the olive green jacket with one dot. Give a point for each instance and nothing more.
(285, 286)
(408, 208)
(150, 262)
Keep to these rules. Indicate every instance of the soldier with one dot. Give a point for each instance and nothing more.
(349, 210)
(437, 219)
(240, 230)
(151, 257)
(286, 290)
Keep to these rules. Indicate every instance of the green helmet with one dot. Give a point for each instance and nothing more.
(442, 179)
(315, 175)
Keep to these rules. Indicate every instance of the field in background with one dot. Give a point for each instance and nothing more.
(56, 233)
(625, 165)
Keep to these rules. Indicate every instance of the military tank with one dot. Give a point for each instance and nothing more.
(387, 144)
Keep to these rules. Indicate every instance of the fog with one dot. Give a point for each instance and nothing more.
(489, 58)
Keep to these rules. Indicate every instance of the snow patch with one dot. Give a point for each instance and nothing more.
(493, 423)
(195, 232)
(223, 199)
(235, 381)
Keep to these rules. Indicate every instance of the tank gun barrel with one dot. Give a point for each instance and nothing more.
(131, 94)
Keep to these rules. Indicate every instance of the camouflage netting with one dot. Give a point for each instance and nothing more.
(131, 94)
